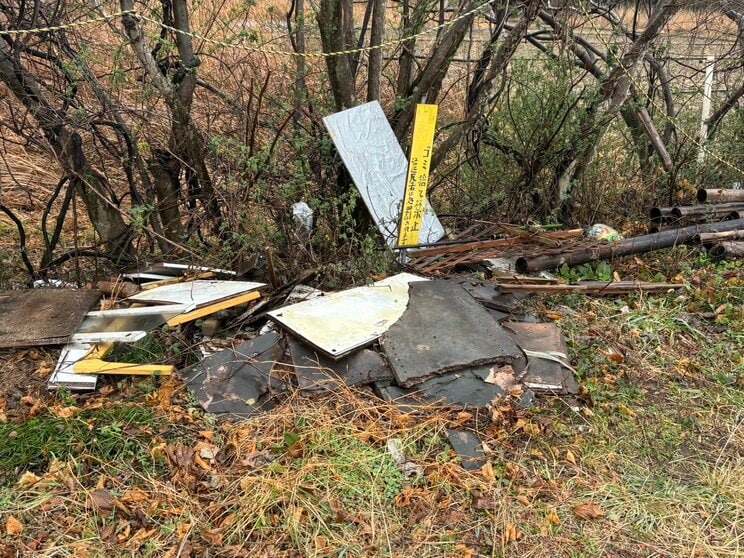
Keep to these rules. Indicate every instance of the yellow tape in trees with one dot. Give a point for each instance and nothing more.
(414, 201)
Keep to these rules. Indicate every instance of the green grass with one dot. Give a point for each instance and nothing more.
(120, 434)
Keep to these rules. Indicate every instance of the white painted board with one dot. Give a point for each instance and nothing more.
(338, 323)
(201, 292)
(379, 168)
(64, 376)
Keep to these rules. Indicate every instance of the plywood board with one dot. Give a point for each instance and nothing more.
(338, 323)
(378, 166)
(36, 317)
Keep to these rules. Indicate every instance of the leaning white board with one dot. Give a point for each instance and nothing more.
(338, 323)
(200, 292)
(378, 166)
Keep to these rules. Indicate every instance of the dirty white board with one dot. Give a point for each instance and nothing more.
(65, 376)
(200, 292)
(338, 323)
(378, 166)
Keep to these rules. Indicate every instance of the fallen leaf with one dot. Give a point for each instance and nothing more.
(555, 316)
(502, 376)
(570, 457)
(212, 536)
(588, 511)
(102, 501)
(485, 503)
(28, 479)
(13, 527)
(553, 518)
(207, 434)
(511, 534)
(522, 499)
(65, 412)
(134, 496)
(487, 471)
(464, 551)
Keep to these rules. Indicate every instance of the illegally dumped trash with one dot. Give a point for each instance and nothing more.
(603, 232)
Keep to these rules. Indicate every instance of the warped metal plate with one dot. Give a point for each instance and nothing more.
(338, 323)
(371, 152)
(36, 317)
(543, 375)
(199, 292)
(444, 329)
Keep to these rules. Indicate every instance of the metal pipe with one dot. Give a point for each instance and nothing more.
(727, 250)
(712, 238)
(637, 245)
(711, 210)
(720, 195)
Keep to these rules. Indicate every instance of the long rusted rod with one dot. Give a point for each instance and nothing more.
(720, 195)
(637, 245)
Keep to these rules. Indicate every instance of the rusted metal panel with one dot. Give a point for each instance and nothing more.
(444, 329)
(38, 317)
(548, 370)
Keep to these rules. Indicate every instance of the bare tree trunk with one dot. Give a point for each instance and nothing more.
(613, 95)
(187, 142)
(375, 56)
(68, 148)
(332, 35)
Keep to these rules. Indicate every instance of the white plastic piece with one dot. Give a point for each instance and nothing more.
(108, 337)
(303, 216)
(65, 377)
(142, 311)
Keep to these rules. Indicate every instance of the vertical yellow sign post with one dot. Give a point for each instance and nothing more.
(414, 200)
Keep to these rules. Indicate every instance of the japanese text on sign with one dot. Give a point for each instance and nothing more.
(414, 200)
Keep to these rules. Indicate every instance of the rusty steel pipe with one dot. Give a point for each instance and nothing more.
(627, 247)
(727, 250)
(720, 195)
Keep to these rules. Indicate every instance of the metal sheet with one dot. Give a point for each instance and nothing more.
(200, 292)
(339, 323)
(108, 337)
(63, 375)
(42, 316)
(235, 381)
(130, 319)
(444, 329)
(316, 372)
(378, 166)
(543, 375)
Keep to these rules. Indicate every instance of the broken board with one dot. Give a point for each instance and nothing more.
(201, 292)
(316, 372)
(235, 381)
(339, 323)
(444, 329)
(371, 152)
(465, 388)
(32, 318)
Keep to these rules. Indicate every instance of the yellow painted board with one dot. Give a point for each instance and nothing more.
(414, 200)
(93, 363)
(98, 366)
(212, 308)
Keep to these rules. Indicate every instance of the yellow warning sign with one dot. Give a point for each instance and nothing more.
(414, 201)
